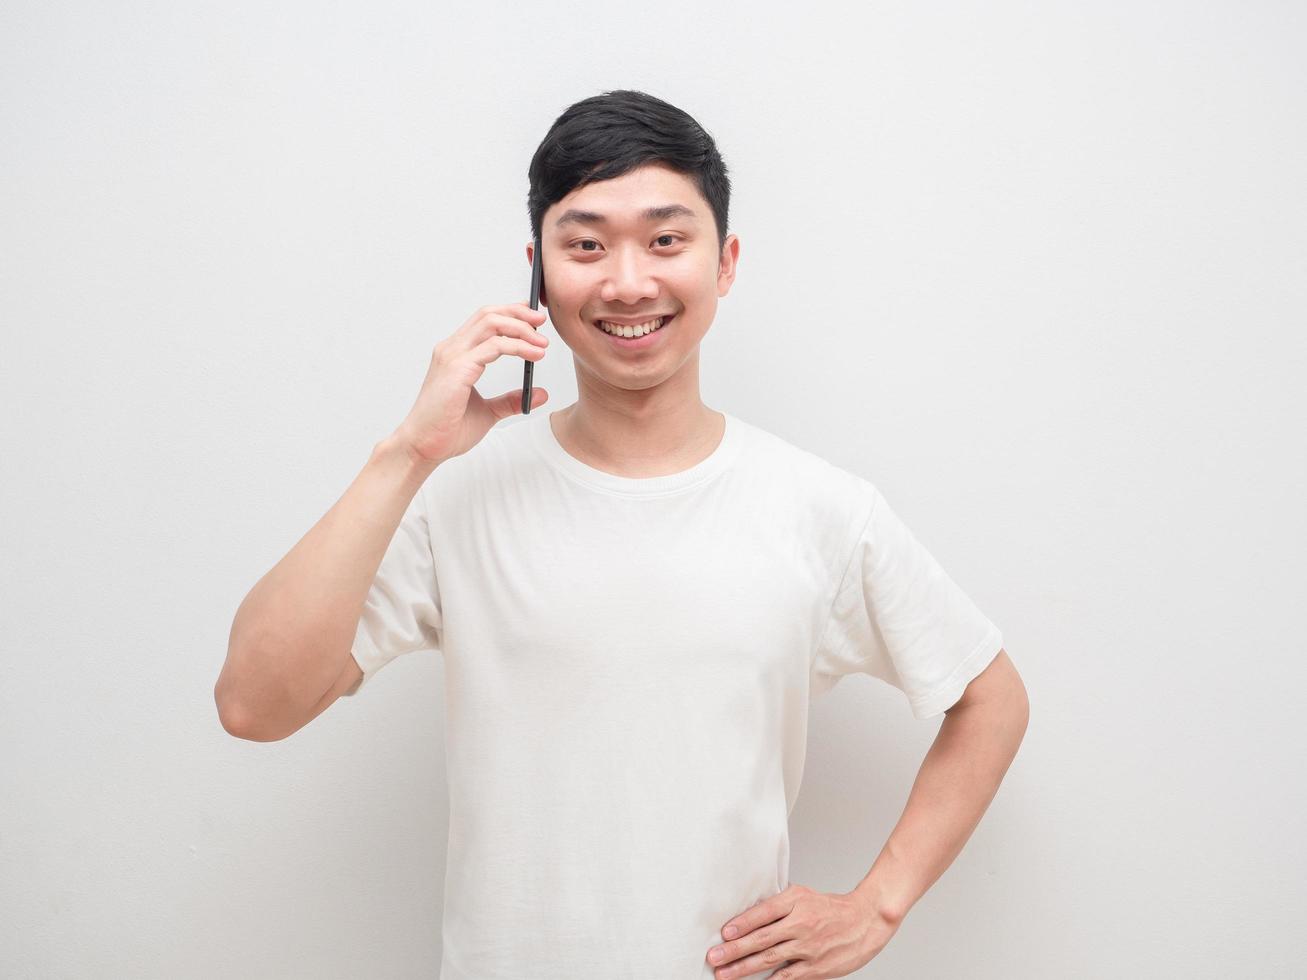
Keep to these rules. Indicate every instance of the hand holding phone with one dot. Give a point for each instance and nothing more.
(449, 416)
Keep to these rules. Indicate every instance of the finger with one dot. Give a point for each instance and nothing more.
(774, 958)
(508, 326)
(510, 402)
(762, 913)
(494, 347)
(771, 935)
(533, 315)
(485, 325)
(514, 320)
(521, 311)
(515, 309)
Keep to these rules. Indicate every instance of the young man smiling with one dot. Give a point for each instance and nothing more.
(641, 248)
(636, 598)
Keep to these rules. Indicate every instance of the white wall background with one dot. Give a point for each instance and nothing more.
(1037, 270)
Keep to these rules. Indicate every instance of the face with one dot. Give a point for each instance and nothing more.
(606, 259)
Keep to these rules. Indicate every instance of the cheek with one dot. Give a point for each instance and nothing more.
(699, 276)
(569, 289)
(697, 287)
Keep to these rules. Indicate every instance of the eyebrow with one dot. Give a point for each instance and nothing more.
(659, 213)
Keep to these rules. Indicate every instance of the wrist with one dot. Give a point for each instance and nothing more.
(396, 454)
(880, 901)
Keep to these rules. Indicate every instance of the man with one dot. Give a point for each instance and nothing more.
(636, 597)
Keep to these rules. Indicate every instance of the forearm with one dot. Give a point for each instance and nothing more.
(955, 785)
(293, 631)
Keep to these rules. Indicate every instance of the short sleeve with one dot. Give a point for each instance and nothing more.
(401, 613)
(899, 617)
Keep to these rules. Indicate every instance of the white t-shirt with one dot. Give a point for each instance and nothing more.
(628, 668)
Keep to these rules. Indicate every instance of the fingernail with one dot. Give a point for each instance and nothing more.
(729, 932)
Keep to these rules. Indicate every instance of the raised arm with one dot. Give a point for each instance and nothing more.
(288, 656)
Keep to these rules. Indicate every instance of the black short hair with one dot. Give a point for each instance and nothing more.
(610, 134)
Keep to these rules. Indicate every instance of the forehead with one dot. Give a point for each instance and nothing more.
(622, 200)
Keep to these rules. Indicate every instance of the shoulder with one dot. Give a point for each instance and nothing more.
(810, 476)
(827, 499)
(497, 459)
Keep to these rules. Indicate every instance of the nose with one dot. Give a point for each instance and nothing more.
(629, 280)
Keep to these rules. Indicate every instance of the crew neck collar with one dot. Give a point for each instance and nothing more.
(544, 440)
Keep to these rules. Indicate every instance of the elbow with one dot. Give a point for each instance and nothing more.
(241, 725)
(231, 716)
(238, 722)
(231, 700)
(233, 720)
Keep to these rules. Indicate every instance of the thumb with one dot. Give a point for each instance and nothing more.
(510, 402)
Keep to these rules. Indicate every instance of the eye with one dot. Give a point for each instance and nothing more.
(581, 242)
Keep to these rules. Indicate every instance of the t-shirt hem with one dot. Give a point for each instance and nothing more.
(368, 660)
(365, 651)
(946, 694)
(370, 657)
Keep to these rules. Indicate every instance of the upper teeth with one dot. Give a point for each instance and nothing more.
(627, 330)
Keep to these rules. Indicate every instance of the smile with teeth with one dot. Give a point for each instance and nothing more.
(627, 330)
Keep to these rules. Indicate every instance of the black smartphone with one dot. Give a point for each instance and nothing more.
(537, 273)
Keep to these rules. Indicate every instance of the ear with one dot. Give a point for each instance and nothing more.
(726, 265)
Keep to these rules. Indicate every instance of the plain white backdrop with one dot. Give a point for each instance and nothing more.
(1036, 270)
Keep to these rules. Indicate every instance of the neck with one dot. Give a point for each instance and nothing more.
(654, 432)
